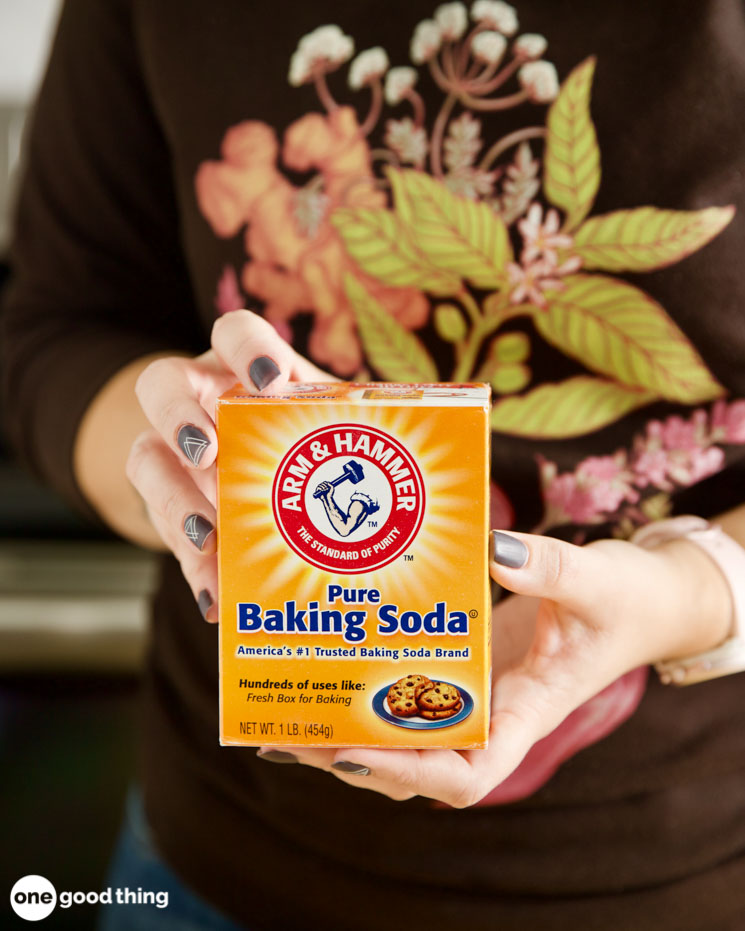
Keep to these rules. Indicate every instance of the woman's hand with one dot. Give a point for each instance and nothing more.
(584, 617)
(172, 466)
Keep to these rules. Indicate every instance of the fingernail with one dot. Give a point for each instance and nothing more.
(205, 602)
(192, 442)
(263, 371)
(276, 756)
(351, 769)
(197, 529)
(509, 551)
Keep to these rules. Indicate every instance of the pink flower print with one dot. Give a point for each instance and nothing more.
(596, 488)
(676, 451)
(728, 422)
(679, 434)
(542, 237)
(650, 468)
(531, 281)
(687, 468)
(229, 296)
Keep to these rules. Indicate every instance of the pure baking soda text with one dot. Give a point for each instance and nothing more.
(354, 597)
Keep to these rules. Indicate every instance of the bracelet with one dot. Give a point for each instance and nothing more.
(729, 657)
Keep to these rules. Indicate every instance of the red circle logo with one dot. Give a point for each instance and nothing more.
(348, 498)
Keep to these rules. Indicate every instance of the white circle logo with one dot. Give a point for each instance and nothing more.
(348, 498)
(33, 898)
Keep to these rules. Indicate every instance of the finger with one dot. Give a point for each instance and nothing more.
(169, 491)
(529, 703)
(169, 396)
(250, 347)
(339, 763)
(443, 775)
(529, 564)
(199, 569)
(352, 766)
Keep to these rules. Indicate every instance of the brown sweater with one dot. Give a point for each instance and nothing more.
(174, 173)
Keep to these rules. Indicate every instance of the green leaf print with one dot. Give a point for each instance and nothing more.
(572, 157)
(618, 330)
(647, 238)
(570, 408)
(458, 236)
(380, 245)
(394, 351)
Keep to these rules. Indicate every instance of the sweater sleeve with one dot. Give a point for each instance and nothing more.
(98, 277)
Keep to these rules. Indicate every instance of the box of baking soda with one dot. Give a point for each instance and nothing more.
(354, 597)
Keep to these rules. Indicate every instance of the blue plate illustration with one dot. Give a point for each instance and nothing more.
(380, 707)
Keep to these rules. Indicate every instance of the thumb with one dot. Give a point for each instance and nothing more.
(529, 564)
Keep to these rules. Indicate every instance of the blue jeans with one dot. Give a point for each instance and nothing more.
(136, 864)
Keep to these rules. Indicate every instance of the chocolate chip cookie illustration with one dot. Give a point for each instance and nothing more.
(440, 696)
(402, 695)
(439, 715)
(420, 703)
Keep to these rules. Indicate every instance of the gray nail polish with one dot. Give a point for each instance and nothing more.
(192, 442)
(276, 756)
(263, 371)
(197, 529)
(205, 602)
(351, 769)
(509, 551)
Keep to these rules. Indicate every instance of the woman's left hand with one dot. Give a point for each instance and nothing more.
(583, 617)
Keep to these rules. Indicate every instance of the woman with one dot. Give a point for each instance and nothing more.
(489, 199)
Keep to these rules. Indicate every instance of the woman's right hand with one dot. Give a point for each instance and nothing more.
(172, 466)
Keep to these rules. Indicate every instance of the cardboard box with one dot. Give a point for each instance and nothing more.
(354, 592)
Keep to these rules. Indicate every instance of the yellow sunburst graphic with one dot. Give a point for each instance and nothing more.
(441, 440)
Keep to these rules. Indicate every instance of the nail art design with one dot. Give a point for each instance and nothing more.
(276, 756)
(263, 371)
(205, 602)
(192, 443)
(351, 769)
(197, 529)
(509, 551)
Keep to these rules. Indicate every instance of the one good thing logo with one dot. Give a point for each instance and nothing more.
(34, 898)
(348, 498)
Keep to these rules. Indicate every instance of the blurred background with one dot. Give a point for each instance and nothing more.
(73, 609)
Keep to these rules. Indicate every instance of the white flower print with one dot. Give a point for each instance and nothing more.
(489, 47)
(496, 15)
(452, 18)
(540, 80)
(326, 46)
(426, 41)
(530, 46)
(398, 82)
(367, 66)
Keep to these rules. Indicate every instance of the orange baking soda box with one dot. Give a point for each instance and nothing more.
(354, 590)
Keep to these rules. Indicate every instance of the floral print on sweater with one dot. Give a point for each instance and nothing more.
(449, 229)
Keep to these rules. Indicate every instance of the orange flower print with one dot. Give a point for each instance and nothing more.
(297, 260)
